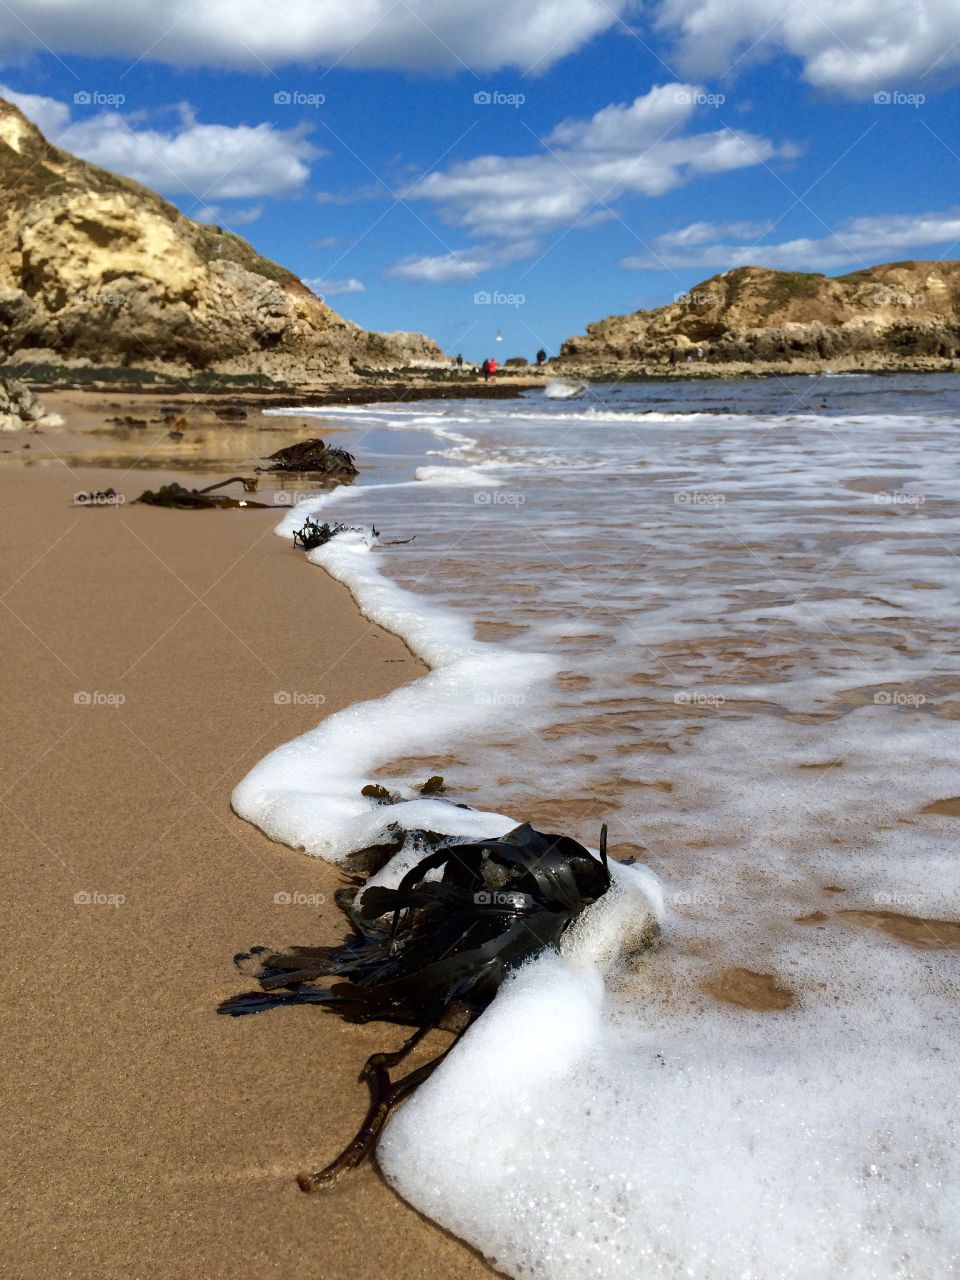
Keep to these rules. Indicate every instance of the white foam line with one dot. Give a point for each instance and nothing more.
(307, 792)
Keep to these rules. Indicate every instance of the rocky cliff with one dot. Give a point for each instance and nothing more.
(96, 266)
(899, 315)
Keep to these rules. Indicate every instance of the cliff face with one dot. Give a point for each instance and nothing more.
(902, 314)
(94, 265)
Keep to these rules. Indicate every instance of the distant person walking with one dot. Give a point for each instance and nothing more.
(460, 363)
(541, 357)
(485, 370)
(492, 364)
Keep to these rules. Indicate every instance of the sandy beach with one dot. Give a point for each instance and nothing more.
(151, 658)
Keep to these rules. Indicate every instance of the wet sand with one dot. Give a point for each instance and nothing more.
(149, 1136)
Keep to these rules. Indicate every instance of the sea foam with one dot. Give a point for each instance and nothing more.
(733, 638)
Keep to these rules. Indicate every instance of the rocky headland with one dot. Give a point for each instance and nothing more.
(750, 320)
(96, 269)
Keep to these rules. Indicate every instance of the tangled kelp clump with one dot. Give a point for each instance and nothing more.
(318, 535)
(314, 456)
(431, 952)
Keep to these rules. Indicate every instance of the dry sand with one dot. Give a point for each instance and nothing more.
(151, 1137)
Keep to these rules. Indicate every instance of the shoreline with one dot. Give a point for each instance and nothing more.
(277, 1067)
(134, 1102)
(509, 385)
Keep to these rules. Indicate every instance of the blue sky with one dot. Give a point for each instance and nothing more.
(559, 160)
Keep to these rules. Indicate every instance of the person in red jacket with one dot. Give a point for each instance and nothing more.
(492, 364)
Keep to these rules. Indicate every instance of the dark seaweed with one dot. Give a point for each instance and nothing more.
(431, 952)
(315, 456)
(175, 495)
(317, 535)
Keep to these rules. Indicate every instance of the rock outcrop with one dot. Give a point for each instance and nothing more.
(898, 315)
(21, 410)
(97, 267)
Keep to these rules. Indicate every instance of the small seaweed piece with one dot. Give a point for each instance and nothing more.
(318, 535)
(175, 495)
(375, 791)
(432, 952)
(370, 860)
(98, 498)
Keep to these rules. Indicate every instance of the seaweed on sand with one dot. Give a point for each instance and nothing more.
(314, 455)
(175, 495)
(318, 535)
(432, 952)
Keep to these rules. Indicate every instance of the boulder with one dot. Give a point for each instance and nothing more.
(21, 410)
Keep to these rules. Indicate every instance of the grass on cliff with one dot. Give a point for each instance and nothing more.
(794, 284)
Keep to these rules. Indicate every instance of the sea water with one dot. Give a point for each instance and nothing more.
(722, 619)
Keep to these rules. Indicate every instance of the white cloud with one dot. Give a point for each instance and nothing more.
(857, 48)
(214, 213)
(202, 160)
(412, 34)
(327, 288)
(856, 242)
(50, 116)
(464, 264)
(698, 233)
(636, 148)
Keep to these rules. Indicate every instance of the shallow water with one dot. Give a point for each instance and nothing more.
(722, 619)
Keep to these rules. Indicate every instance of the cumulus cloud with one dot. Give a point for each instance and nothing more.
(857, 241)
(858, 48)
(636, 148)
(327, 288)
(214, 213)
(699, 233)
(464, 264)
(202, 160)
(412, 34)
(50, 116)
